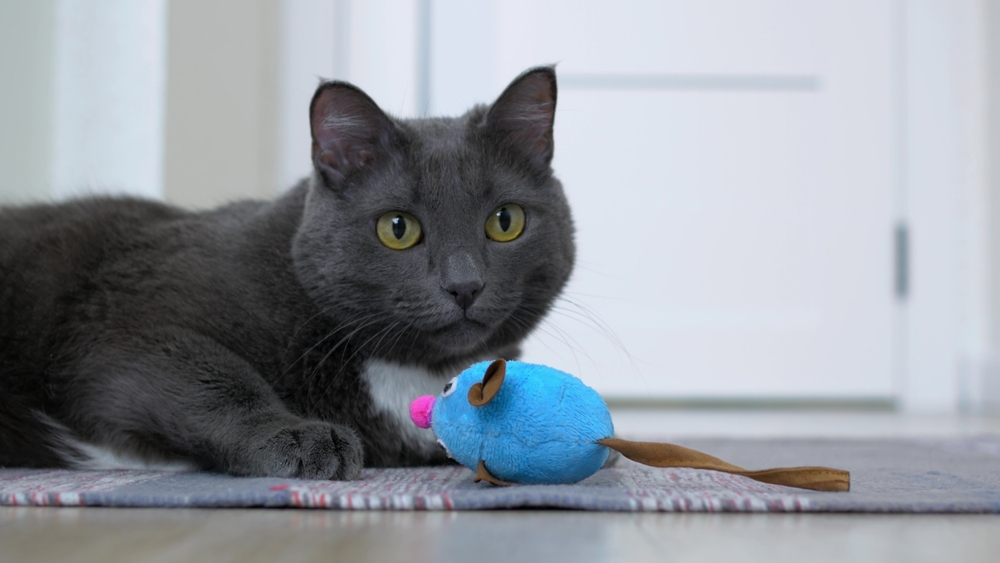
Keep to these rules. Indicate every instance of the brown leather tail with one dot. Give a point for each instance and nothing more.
(669, 455)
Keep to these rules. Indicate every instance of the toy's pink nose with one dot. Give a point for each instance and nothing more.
(420, 411)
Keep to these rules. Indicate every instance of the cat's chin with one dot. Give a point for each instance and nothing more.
(462, 337)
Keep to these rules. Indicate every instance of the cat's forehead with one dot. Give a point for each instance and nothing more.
(447, 162)
(439, 136)
(447, 167)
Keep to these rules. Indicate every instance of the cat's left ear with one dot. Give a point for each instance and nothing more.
(524, 114)
(349, 131)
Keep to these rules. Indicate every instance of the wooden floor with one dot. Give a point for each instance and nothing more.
(107, 535)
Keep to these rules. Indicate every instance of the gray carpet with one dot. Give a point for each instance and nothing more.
(955, 475)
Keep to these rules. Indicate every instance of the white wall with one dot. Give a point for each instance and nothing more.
(109, 97)
(949, 162)
(26, 75)
(931, 204)
(222, 101)
(463, 55)
(373, 43)
(308, 54)
(382, 55)
(82, 99)
(977, 39)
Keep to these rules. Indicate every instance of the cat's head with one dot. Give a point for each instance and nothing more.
(436, 239)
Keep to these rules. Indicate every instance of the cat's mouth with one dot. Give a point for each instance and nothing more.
(462, 335)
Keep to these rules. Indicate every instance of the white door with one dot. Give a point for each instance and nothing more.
(730, 165)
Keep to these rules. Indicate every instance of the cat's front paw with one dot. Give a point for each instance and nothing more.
(311, 450)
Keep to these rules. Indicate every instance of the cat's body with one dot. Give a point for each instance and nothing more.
(282, 338)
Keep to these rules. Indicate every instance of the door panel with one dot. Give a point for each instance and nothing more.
(723, 247)
(734, 233)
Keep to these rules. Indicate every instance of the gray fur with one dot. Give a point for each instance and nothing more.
(236, 339)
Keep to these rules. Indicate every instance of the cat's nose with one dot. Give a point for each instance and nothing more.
(465, 293)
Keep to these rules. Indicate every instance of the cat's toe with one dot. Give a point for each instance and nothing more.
(312, 450)
(331, 452)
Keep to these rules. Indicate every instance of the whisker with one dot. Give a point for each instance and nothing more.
(347, 362)
(567, 340)
(368, 321)
(380, 340)
(341, 326)
(579, 313)
(399, 335)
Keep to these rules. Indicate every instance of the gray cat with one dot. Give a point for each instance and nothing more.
(285, 338)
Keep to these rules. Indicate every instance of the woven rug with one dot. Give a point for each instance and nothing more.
(956, 475)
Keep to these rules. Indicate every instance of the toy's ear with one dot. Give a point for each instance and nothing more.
(482, 393)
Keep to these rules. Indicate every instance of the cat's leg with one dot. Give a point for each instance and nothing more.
(177, 394)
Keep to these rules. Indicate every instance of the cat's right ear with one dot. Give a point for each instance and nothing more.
(349, 131)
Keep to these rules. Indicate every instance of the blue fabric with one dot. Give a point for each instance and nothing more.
(542, 426)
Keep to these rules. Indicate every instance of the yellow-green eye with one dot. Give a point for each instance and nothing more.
(398, 230)
(506, 223)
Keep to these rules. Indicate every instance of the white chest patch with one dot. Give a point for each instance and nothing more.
(393, 387)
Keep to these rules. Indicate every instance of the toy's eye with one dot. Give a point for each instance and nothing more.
(450, 387)
(398, 230)
(506, 223)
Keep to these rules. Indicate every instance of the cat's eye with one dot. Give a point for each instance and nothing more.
(449, 388)
(398, 230)
(506, 223)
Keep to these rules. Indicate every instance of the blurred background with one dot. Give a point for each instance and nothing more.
(778, 202)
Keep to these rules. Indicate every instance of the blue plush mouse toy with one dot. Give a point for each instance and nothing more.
(514, 422)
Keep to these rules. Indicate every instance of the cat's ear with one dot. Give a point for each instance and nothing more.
(349, 131)
(523, 115)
